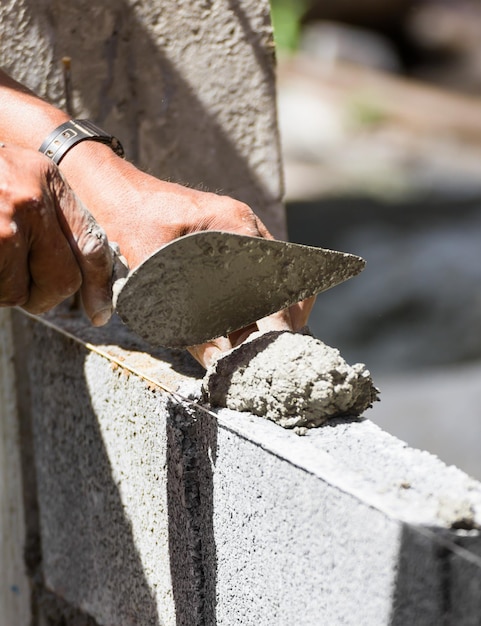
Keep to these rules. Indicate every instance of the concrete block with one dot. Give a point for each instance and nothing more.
(101, 461)
(156, 510)
(14, 584)
(463, 601)
(342, 526)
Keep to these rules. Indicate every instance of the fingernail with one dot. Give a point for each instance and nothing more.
(102, 317)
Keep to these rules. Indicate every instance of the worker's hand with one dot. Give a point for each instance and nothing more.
(143, 213)
(50, 246)
(172, 211)
(169, 211)
(293, 318)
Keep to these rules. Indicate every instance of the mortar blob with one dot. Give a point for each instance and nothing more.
(292, 379)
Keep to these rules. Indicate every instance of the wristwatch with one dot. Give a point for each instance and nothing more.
(70, 133)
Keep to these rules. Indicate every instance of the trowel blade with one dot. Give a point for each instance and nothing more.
(207, 284)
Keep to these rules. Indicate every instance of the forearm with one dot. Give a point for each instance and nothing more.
(138, 211)
(89, 167)
(26, 119)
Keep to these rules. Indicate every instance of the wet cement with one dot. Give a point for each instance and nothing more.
(292, 379)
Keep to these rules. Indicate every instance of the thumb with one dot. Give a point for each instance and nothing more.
(90, 246)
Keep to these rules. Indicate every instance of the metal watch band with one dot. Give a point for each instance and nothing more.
(69, 134)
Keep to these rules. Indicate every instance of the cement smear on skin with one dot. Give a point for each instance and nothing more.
(289, 378)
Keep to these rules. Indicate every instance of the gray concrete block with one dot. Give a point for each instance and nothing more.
(290, 549)
(100, 441)
(156, 510)
(342, 526)
(14, 583)
(462, 572)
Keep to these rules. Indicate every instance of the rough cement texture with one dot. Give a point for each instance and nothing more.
(289, 378)
(359, 506)
(155, 510)
(101, 466)
(187, 86)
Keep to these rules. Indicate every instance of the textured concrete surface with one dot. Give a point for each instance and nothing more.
(102, 481)
(342, 526)
(187, 86)
(106, 537)
(155, 509)
(14, 585)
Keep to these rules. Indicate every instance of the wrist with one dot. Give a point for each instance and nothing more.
(69, 134)
(112, 190)
(96, 174)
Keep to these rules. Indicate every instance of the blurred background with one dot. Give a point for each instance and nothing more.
(380, 119)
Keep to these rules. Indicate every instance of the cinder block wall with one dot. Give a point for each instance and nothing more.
(123, 501)
(153, 509)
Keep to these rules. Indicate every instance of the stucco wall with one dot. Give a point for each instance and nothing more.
(187, 86)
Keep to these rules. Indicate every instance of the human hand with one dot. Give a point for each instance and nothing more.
(50, 246)
(136, 210)
(143, 213)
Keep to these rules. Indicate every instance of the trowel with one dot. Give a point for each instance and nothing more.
(210, 283)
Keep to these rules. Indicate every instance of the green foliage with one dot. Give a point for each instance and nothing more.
(286, 21)
(364, 110)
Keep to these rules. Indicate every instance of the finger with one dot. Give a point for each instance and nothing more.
(300, 312)
(207, 353)
(277, 321)
(262, 229)
(54, 272)
(89, 245)
(38, 268)
(14, 273)
(293, 318)
(238, 336)
(14, 276)
(97, 268)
